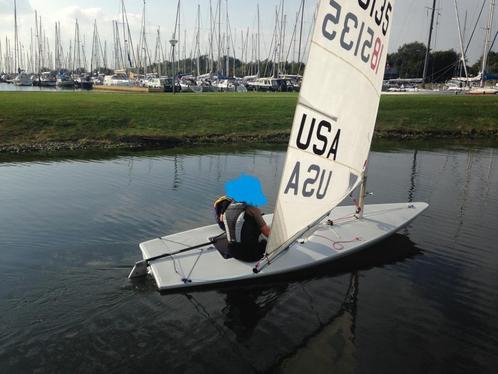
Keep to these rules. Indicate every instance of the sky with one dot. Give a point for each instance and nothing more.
(411, 20)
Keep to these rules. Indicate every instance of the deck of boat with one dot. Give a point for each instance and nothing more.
(206, 266)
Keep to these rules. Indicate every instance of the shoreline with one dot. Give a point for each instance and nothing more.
(40, 123)
(144, 143)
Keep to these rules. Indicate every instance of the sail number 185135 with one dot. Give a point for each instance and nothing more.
(354, 35)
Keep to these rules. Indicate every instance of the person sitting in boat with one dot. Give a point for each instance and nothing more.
(244, 225)
(239, 216)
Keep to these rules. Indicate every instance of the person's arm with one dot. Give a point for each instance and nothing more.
(266, 230)
(256, 213)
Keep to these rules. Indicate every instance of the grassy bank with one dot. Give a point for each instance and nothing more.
(130, 119)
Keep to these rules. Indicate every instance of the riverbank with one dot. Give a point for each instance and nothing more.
(41, 122)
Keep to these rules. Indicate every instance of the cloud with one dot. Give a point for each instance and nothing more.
(82, 14)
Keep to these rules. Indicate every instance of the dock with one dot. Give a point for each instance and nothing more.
(130, 89)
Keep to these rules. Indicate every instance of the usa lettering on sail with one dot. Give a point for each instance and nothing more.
(321, 139)
(356, 37)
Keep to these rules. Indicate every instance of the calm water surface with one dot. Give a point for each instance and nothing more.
(423, 301)
(12, 87)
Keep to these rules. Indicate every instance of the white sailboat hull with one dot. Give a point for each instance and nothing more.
(206, 266)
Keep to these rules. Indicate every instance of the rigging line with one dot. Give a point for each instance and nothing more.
(187, 279)
(345, 219)
(176, 270)
(311, 301)
(202, 310)
(175, 242)
(475, 26)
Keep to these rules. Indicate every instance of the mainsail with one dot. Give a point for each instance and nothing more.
(335, 115)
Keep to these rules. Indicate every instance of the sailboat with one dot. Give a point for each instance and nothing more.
(326, 161)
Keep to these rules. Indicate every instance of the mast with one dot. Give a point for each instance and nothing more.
(93, 47)
(460, 38)
(275, 50)
(211, 39)
(38, 58)
(318, 175)
(144, 45)
(128, 41)
(227, 71)
(179, 18)
(198, 46)
(428, 51)
(157, 53)
(125, 44)
(487, 42)
(219, 38)
(56, 48)
(281, 38)
(258, 42)
(16, 40)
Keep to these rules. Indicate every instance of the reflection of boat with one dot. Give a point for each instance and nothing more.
(307, 228)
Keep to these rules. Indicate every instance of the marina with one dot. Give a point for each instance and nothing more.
(216, 54)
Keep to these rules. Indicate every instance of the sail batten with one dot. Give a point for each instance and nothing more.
(335, 114)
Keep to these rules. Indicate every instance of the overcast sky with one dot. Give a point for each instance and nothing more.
(411, 20)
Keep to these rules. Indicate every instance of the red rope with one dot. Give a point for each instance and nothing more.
(338, 246)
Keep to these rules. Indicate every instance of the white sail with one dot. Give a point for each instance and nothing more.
(335, 115)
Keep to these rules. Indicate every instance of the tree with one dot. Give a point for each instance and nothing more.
(492, 64)
(442, 65)
(409, 60)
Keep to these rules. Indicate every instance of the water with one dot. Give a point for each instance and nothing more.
(12, 87)
(424, 300)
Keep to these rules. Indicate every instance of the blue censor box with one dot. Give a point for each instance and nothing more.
(246, 189)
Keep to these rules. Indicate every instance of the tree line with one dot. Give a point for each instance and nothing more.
(408, 62)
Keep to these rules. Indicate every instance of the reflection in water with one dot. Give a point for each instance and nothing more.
(244, 310)
(465, 193)
(330, 349)
(331, 346)
(178, 167)
(67, 225)
(413, 175)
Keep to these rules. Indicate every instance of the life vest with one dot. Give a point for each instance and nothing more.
(220, 205)
(233, 217)
(241, 228)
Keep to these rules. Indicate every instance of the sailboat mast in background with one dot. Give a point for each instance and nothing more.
(487, 42)
(428, 51)
(16, 41)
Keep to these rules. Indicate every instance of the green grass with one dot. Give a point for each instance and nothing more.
(439, 114)
(58, 117)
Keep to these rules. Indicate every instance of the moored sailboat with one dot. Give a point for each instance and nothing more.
(23, 79)
(326, 161)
